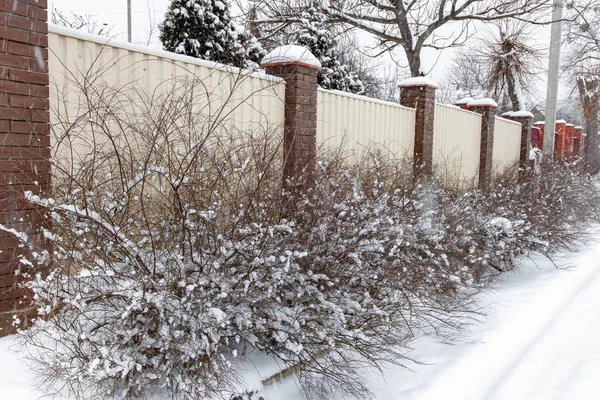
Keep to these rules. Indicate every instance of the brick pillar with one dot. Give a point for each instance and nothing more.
(525, 118)
(569, 139)
(540, 125)
(487, 109)
(559, 140)
(419, 93)
(24, 139)
(299, 68)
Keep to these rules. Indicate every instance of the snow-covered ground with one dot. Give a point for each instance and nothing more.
(539, 340)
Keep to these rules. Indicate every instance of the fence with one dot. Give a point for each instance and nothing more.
(356, 122)
(36, 96)
(507, 144)
(234, 98)
(456, 142)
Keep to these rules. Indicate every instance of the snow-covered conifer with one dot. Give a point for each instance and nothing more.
(205, 29)
(315, 34)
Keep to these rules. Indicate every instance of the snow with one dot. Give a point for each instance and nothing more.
(418, 81)
(521, 114)
(291, 53)
(571, 125)
(579, 127)
(539, 123)
(561, 121)
(538, 341)
(464, 101)
(486, 102)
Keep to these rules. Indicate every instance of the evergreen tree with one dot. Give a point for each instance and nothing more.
(204, 29)
(315, 33)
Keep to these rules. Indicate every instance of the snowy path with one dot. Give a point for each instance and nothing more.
(541, 340)
(546, 347)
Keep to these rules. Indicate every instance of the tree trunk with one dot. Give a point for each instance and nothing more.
(588, 94)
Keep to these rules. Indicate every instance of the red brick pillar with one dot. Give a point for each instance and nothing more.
(24, 139)
(540, 125)
(569, 138)
(419, 93)
(525, 118)
(560, 140)
(487, 109)
(299, 68)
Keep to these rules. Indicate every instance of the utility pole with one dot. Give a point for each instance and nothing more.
(552, 89)
(129, 21)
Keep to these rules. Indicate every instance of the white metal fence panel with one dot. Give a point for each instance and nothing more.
(507, 144)
(456, 145)
(356, 122)
(238, 100)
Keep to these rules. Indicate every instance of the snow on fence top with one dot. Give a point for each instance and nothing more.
(521, 114)
(487, 102)
(291, 54)
(464, 101)
(162, 54)
(417, 81)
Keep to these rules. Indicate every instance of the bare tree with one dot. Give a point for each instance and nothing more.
(583, 45)
(513, 59)
(411, 25)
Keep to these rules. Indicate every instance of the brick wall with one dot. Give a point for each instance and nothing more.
(24, 137)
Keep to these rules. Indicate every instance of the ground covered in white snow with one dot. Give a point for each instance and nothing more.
(539, 340)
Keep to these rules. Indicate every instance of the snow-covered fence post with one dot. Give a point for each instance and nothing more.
(560, 132)
(419, 93)
(24, 139)
(487, 109)
(299, 68)
(525, 118)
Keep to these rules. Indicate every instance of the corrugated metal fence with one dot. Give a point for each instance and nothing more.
(246, 100)
(507, 144)
(456, 142)
(356, 122)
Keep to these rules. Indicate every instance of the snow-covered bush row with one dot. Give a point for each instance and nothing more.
(177, 252)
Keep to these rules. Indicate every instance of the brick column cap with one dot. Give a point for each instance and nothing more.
(561, 122)
(487, 102)
(521, 114)
(417, 81)
(571, 126)
(579, 128)
(291, 55)
(539, 123)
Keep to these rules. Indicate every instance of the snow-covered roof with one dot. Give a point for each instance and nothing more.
(561, 121)
(291, 54)
(521, 114)
(487, 102)
(464, 101)
(417, 81)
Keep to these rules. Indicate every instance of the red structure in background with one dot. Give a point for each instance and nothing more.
(559, 139)
(536, 137)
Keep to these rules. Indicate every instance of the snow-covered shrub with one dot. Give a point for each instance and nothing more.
(178, 251)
